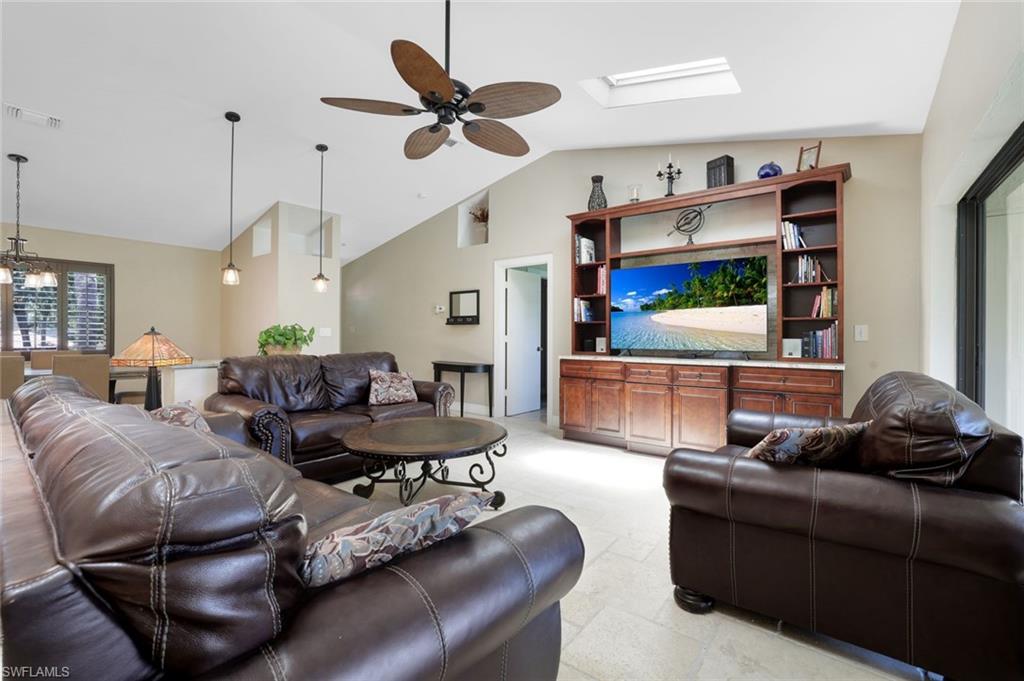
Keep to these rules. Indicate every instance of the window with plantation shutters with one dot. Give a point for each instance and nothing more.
(75, 315)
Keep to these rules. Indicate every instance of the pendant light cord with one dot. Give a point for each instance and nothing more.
(17, 202)
(231, 202)
(321, 212)
(447, 34)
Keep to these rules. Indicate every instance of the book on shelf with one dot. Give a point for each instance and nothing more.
(792, 237)
(602, 280)
(585, 250)
(581, 310)
(810, 271)
(825, 303)
(823, 344)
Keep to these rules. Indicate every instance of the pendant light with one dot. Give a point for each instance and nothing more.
(38, 273)
(229, 275)
(320, 281)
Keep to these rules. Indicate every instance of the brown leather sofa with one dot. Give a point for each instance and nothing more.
(913, 546)
(132, 549)
(297, 407)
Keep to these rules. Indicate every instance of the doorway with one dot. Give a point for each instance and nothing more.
(990, 314)
(522, 335)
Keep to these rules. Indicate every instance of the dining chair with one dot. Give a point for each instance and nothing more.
(12, 373)
(92, 371)
(43, 359)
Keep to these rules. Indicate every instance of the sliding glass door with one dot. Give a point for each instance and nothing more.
(991, 288)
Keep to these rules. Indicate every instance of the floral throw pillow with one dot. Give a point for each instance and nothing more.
(388, 387)
(184, 415)
(809, 446)
(348, 551)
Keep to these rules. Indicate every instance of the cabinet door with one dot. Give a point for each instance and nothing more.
(649, 414)
(825, 406)
(772, 403)
(574, 398)
(698, 417)
(608, 408)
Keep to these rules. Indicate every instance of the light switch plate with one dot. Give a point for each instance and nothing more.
(860, 332)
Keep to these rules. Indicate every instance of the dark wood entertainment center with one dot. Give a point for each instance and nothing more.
(654, 404)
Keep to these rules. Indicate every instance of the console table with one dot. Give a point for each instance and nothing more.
(463, 368)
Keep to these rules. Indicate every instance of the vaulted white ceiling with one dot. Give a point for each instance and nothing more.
(142, 89)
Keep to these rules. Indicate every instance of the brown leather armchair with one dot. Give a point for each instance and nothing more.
(913, 547)
(133, 549)
(298, 406)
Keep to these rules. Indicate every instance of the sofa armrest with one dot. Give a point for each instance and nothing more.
(946, 526)
(746, 427)
(431, 614)
(230, 425)
(267, 423)
(438, 394)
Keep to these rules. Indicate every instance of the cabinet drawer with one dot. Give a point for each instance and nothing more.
(788, 380)
(579, 369)
(649, 373)
(701, 377)
(607, 371)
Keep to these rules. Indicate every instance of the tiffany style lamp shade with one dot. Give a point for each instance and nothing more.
(152, 350)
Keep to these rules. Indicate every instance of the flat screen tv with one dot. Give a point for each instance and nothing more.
(713, 305)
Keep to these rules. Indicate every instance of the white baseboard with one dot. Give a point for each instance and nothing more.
(472, 408)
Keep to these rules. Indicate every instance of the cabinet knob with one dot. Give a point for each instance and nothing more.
(783, 379)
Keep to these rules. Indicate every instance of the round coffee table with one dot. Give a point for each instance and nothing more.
(430, 440)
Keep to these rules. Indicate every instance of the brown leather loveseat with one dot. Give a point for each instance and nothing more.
(297, 407)
(133, 549)
(913, 547)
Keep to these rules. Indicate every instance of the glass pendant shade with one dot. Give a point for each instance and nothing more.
(229, 275)
(6, 277)
(320, 283)
(48, 278)
(33, 280)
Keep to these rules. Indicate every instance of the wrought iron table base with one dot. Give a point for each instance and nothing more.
(410, 485)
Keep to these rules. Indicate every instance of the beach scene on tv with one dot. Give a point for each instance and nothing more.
(709, 305)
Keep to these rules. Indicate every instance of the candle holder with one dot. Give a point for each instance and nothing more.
(670, 175)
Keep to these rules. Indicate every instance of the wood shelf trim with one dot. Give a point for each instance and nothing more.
(810, 249)
(807, 214)
(810, 319)
(725, 193)
(580, 322)
(590, 295)
(733, 243)
(586, 265)
(810, 283)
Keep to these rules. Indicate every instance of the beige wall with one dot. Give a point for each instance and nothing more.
(277, 288)
(173, 288)
(389, 294)
(978, 103)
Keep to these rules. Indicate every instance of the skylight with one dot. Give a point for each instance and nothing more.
(703, 78)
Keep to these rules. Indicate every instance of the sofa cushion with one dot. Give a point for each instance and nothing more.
(183, 415)
(292, 382)
(321, 427)
(391, 411)
(349, 550)
(825, 446)
(922, 429)
(347, 376)
(194, 540)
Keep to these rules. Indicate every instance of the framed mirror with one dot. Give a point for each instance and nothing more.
(464, 307)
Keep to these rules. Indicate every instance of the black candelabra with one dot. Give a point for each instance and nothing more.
(670, 175)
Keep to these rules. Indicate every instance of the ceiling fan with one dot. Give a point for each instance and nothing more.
(451, 100)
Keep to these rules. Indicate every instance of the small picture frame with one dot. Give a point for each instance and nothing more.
(809, 157)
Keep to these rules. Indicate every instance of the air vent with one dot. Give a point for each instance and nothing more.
(33, 117)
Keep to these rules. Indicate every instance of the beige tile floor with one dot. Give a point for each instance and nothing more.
(620, 621)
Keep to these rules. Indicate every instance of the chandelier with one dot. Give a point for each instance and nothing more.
(38, 273)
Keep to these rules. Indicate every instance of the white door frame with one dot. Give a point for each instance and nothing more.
(499, 325)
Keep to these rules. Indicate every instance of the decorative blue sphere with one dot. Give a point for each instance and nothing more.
(769, 169)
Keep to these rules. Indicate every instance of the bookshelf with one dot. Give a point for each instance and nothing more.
(812, 200)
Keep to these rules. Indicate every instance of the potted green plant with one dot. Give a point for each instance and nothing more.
(284, 340)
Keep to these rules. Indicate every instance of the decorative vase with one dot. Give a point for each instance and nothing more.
(597, 198)
(282, 349)
(769, 169)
